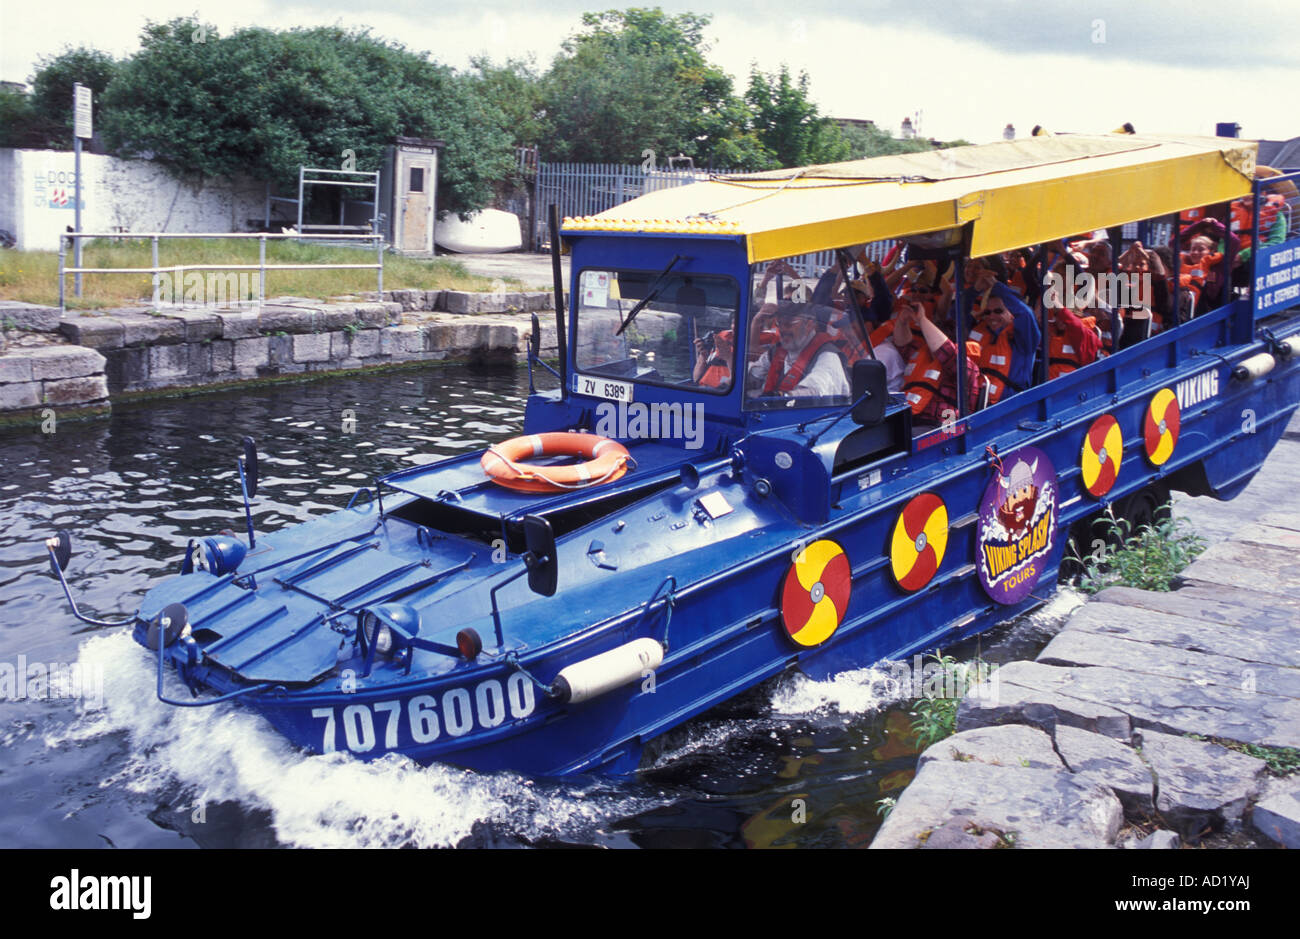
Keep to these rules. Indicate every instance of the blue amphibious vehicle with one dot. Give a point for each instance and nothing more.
(496, 614)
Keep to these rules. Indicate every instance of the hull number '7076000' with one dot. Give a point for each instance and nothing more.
(425, 716)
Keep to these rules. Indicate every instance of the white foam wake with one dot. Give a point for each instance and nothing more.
(229, 753)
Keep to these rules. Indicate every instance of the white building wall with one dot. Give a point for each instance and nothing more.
(37, 186)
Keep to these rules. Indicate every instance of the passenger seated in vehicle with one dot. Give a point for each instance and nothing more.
(1006, 331)
(1201, 271)
(804, 362)
(930, 376)
(1146, 284)
(1072, 342)
(713, 359)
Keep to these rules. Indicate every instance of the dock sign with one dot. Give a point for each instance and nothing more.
(1017, 525)
(81, 111)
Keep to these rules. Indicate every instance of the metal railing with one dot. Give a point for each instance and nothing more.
(261, 266)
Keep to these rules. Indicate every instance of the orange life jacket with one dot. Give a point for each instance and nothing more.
(786, 383)
(882, 332)
(994, 360)
(849, 341)
(1193, 276)
(1242, 221)
(921, 380)
(717, 374)
(1062, 357)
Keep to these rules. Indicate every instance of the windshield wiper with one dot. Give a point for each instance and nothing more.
(650, 294)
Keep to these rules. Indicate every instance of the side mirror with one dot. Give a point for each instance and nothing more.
(869, 379)
(543, 566)
(535, 339)
(250, 466)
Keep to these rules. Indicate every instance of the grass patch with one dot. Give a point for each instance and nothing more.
(1148, 559)
(33, 276)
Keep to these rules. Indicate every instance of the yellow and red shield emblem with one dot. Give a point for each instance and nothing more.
(1160, 428)
(815, 595)
(920, 538)
(1103, 452)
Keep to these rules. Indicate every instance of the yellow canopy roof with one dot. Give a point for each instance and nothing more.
(1017, 193)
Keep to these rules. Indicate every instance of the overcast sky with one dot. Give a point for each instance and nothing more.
(968, 68)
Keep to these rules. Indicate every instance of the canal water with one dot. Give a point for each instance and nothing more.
(103, 763)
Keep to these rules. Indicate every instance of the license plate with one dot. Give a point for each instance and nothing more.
(602, 388)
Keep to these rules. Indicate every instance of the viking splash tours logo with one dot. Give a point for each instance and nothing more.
(1017, 525)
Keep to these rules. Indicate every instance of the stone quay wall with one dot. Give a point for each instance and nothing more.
(78, 362)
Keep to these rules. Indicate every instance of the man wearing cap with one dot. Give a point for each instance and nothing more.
(805, 362)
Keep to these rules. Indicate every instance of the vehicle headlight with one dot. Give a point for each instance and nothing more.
(376, 634)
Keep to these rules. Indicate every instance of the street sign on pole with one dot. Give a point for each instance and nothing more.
(81, 110)
(81, 128)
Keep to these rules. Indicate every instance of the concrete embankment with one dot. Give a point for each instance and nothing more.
(78, 363)
(1132, 726)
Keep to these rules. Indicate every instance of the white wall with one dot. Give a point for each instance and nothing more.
(36, 198)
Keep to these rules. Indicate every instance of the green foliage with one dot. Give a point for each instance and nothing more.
(935, 715)
(1281, 761)
(260, 102)
(787, 124)
(865, 142)
(515, 89)
(52, 84)
(1149, 559)
(885, 806)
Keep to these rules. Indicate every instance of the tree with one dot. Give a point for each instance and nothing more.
(637, 80)
(871, 141)
(261, 103)
(787, 124)
(515, 89)
(51, 98)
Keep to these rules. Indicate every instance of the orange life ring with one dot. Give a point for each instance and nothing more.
(606, 462)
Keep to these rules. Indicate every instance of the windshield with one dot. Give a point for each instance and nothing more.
(684, 335)
(804, 334)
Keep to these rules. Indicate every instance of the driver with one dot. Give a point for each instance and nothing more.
(805, 361)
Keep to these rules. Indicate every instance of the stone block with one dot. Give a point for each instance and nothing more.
(313, 347)
(1032, 808)
(15, 314)
(16, 367)
(95, 332)
(169, 362)
(1277, 814)
(1008, 745)
(1200, 785)
(199, 325)
(26, 394)
(55, 362)
(1108, 763)
(280, 350)
(252, 353)
(364, 343)
(401, 340)
(151, 330)
(239, 325)
(76, 390)
(333, 319)
(127, 369)
(280, 319)
(223, 356)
